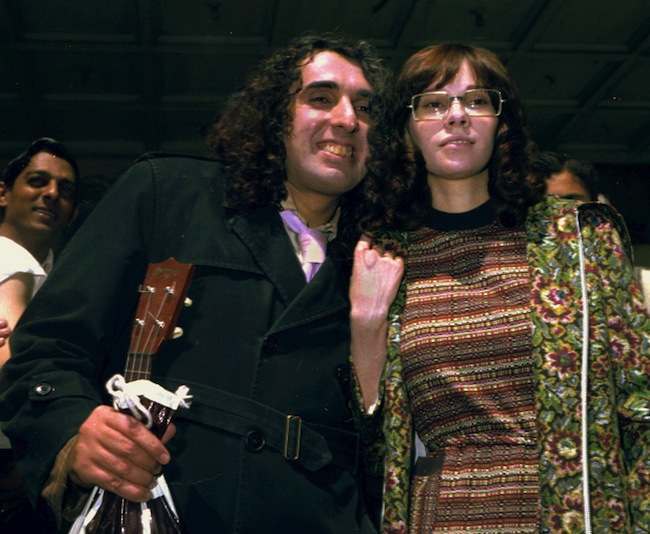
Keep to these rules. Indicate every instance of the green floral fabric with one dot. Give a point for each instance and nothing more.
(618, 377)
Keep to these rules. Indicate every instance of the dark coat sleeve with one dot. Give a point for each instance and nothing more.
(64, 341)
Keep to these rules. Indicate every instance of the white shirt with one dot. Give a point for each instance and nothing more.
(15, 258)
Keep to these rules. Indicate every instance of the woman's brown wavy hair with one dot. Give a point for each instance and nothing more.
(248, 136)
(402, 198)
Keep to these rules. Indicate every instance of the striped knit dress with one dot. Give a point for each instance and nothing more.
(468, 370)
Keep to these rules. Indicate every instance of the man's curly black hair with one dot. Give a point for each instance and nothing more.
(249, 134)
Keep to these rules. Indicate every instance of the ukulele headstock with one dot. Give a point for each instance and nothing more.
(161, 296)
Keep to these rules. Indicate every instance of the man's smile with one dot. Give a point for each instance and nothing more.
(344, 151)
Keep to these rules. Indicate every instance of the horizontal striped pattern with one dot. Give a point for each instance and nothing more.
(468, 370)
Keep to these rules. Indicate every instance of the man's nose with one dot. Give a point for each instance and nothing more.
(51, 190)
(345, 116)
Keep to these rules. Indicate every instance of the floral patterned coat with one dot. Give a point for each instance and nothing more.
(611, 490)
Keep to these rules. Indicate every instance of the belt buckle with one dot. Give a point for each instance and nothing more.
(292, 423)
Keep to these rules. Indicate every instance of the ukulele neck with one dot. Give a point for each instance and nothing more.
(138, 366)
(161, 297)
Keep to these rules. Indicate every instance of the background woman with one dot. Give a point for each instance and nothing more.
(490, 360)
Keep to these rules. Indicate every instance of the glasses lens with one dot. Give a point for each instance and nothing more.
(430, 106)
(482, 102)
(476, 102)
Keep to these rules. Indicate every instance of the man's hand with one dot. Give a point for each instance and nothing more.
(118, 453)
(5, 331)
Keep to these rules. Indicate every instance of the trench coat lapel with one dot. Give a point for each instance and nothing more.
(263, 233)
(326, 294)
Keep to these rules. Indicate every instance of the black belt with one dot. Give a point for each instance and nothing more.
(311, 445)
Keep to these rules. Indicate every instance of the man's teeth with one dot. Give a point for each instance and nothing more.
(339, 150)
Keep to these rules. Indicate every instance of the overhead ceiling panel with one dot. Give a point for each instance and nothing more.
(13, 125)
(241, 21)
(90, 72)
(559, 77)
(205, 75)
(478, 21)
(187, 127)
(545, 123)
(634, 88)
(106, 122)
(607, 126)
(600, 25)
(8, 79)
(375, 20)
(74, 20)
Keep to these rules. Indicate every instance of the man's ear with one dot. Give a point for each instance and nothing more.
(3, 194)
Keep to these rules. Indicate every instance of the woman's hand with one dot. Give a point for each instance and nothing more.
(376, 275)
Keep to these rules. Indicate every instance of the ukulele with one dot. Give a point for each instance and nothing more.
(162, 294)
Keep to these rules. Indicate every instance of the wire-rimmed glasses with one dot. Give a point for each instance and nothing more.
(434, 105)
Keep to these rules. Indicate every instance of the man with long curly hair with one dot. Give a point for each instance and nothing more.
(269, 443)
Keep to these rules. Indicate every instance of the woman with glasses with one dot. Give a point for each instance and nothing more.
(529, 417)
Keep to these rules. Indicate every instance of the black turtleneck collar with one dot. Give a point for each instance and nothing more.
(482, 215)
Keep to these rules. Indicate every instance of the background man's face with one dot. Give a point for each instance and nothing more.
(567, 185)
(42, 198)
(327, 146)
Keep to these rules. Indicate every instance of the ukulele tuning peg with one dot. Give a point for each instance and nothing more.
(187, 302)
(178, 332)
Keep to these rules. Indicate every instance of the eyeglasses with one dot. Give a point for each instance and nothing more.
(434, 105)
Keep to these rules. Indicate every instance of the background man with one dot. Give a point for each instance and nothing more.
(266, 338)
(38, 192)
(567, 177)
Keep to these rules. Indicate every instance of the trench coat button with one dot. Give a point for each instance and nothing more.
(270, 345)
(255, 441)
(43, 389)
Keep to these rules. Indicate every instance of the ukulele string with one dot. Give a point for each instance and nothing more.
(155, 322)
(136, 360)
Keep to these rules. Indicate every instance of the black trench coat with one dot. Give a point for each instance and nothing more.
(259, 344)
